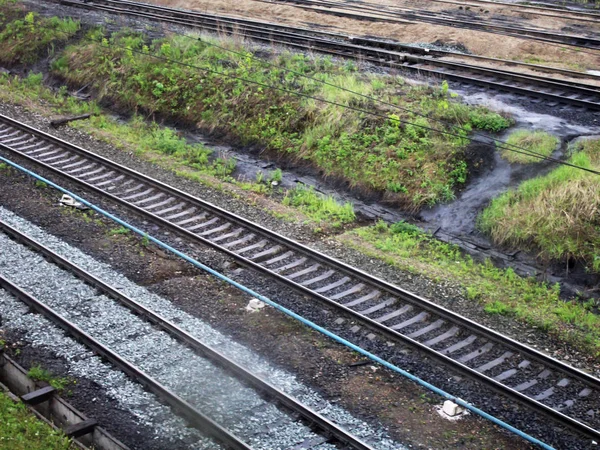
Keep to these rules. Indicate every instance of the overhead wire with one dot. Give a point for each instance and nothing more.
(518, 150)
(504, 144)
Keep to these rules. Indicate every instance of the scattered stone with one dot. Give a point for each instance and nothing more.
(255, 305)
(67, 200)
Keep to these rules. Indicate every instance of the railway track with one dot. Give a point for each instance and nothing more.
(532, 9)
(405, 15)
(415, 60)
(544, 384)
(127, 329)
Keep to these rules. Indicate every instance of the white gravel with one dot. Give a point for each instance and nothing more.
(184, 372)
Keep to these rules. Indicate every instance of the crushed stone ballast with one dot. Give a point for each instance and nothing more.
(541, 382)
(165, 366)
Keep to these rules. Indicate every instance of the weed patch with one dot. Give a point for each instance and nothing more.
(21, 430)
(556, 215)
(25, 39)
(538, 142)
(412, 165)
(498, 291)
(40, 374)
(319, 207)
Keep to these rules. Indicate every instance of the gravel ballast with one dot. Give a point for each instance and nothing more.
(172, 364)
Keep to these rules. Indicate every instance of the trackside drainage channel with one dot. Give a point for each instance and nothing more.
(286, 311)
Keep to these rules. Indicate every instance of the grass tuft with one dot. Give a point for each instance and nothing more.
(25, 39)
(556, 215)
(40, 374)
(319, 207)
(538, 142)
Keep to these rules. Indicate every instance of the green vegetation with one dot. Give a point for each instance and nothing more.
(538, 142)
(319, 207)
(40, 374)
(24, 40)
(412, 164)
(21, 430)
(555, 215)
(499, 291)
(119, 231)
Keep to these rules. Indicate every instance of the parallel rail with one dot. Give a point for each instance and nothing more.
(543, 383)
(194, 416)
(388, 54)
(405, 15)
(533, 9)
(328, 428)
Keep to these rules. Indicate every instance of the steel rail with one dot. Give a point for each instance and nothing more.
(333, 8)
(342, 268)
(204, 423)
(393, 45)
(382, 53)
(577, 15)
(263, 386)
(260, 26)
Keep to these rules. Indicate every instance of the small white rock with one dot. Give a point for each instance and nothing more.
(452, 409)
(255, 305)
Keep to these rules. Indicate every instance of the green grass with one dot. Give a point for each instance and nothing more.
(538, 142)
(556, 215)
(21, 430)
(497, 291)
(40, 374)
(25, 39)
(320, 208)
(412, 165)
(119, 231)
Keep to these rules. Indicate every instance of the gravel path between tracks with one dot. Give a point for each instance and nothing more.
(82, 364)
(477, 42)
(192, 377)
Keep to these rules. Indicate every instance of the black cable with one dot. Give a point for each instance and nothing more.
(504, 144)
(352, 108)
